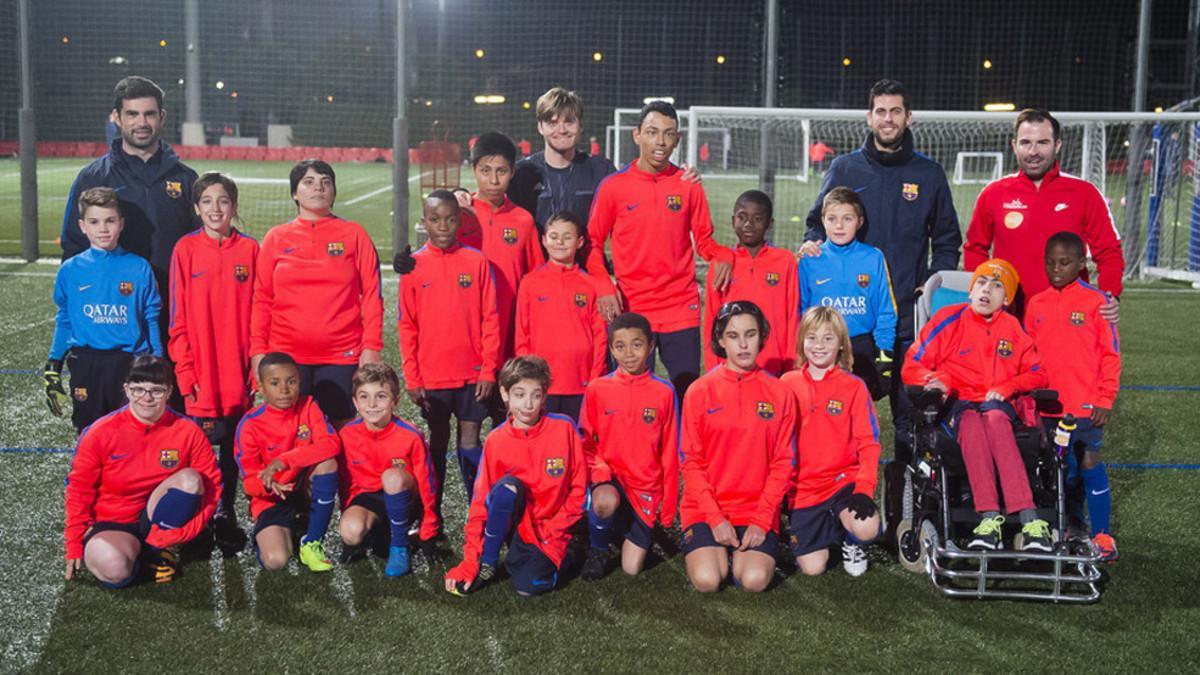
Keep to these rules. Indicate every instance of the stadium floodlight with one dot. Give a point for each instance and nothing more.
(665, 99)
(220, 84)
(162, 43)
(999, 107)
(489, 99)
(987, 64)
(479, 53)
(720, 59)
(597, 56)
(846, 61)
(118, 60)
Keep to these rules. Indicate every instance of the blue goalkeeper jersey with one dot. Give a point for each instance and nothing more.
(854, 280)
(106, 300)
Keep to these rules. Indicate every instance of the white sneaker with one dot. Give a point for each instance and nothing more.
(854, 559)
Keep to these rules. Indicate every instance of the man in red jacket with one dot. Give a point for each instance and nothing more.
(653, 215)
(1015, 215)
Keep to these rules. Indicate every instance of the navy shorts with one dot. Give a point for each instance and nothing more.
(531, 571)
(626, 522)
(97, 383)
(565, 404)
(680, 353)
(459, 402)
(699, 535)
(331, 387)
(819, 526)
(373, 502)
(219, 430)
(140, 528)
(291, 513)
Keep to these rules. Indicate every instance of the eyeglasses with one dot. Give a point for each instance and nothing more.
(154, 393)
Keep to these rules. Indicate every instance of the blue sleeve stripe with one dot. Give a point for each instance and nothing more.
(938, 329)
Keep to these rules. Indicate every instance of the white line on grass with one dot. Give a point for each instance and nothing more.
(254, 180)
(217, 577)
(372, 193)
(343, 585)
(249, 582)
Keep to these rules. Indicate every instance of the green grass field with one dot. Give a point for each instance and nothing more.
(225, 615)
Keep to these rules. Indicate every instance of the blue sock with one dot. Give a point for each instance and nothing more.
(399, 514)
(324, 490)
(175, 509)
(502, 503)
(1099, 498)
(599, 530)
(468, 464)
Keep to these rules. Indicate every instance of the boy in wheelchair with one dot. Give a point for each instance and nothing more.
(980, 359)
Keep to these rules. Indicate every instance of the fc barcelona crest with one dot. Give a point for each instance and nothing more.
(168, 458)
(125, 288)
(765, 409)
(303, 433)
(335, 248)
(80, 394)
(674, 202)
(510, 235)
(241, 272)
(649, 415)
(1076, 318)
(864, 280)
(581, 300)
(910, 192)
(464, 280)
(555, 466)
(834, 407)
(772, 278)
(1004, 348)
(174, 189)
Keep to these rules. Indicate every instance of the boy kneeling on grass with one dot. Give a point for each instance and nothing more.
(530, 490)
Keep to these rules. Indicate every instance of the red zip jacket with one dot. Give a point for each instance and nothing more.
(449, 329)
(212, 285)
(549, 460)
(1082, 351)
(972, 355)
(119, 461)
(653, 219)
(739, 449)
(557, 319)
(1013, 219)
(300, 436)
(630, 426)
(316, 293)
(771, 281)
(366, 454)
(509, 241)
(838, 437)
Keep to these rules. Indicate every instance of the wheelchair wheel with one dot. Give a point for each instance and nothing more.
(912, 551)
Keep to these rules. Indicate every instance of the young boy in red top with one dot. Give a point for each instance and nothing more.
(630, 424)
(530, 491)
(449, 338)
(739, 456)
(212, 284)
(653, 215)
(1081, 352)
(143, 479)
(557, 317)
(762, 274)
(287, 452)
(833, 497)
(976, 353)
(385, 464)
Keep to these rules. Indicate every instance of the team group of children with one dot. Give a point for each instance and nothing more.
(491, 326)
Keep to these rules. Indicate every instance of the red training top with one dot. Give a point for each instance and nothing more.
(300, 437)
(316, 293)
(653, 219)
(548, 459)
(212, 284)
(449, 329)
(557, 319)
(1081, 351)
(838, 437)
(630, 426)
(119, 461)
(971, 354)
(366, 454)
(771, 281)
(1013, 219)
(739, 449)
(509, 241)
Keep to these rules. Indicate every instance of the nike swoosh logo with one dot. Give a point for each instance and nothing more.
(1097, 493)
(118, 456)
(427, 284)
(541, 582)
(324, 501)
(964, 352)
(84, 287)
(713, 410)
(197, 274)
(1060, 207)
(822, 281)
(610, 412)
(543, 298)
(289, 249)
(630, 207)
(356, 461)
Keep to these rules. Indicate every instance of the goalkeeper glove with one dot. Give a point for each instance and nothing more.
(862, 506)
(884, 364)
(404, 262)
(56, 397)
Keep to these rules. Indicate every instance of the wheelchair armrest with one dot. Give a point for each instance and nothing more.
(1046, 401)
(924, 399)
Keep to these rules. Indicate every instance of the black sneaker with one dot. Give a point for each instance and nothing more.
(1037, 537)
(351, 553)
(164, 564)
(228, 535)
(986, 535)
(595, 564)
(486, 573)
